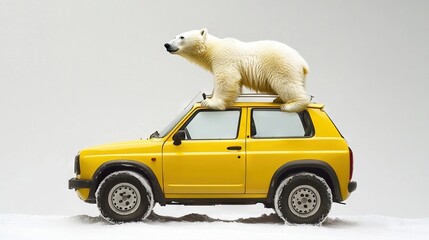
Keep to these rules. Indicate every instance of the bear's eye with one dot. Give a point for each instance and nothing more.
(182, 37)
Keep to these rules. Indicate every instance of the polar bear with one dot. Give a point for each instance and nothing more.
(263, 66)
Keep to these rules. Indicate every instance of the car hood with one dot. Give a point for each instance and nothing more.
(153, 145)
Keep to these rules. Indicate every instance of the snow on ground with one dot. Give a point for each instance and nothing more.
(209, 223)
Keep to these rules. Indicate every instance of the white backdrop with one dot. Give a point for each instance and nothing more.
(79, 73)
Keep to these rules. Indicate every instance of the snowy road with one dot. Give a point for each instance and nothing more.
(201, 226)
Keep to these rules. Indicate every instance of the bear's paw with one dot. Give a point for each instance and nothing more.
(215, 104)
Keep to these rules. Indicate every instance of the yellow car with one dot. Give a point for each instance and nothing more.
(296, 163)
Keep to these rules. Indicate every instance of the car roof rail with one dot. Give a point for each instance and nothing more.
(256, 97)
(247, 96)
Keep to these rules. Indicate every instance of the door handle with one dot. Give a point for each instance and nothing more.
(234, 148)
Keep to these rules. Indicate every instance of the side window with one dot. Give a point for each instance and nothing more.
(273, 123)
(213, 125)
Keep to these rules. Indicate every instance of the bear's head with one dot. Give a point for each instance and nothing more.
(188, 44)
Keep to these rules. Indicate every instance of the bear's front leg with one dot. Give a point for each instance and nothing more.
(226, 90)
(214, 103)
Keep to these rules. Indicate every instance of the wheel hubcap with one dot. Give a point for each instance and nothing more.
(304, 201)
(124, 198)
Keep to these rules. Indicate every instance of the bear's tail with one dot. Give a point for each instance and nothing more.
(305, 70)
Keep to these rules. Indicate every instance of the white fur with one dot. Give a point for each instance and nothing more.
(263, 66)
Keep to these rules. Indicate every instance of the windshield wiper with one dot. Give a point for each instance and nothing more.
(155, 134)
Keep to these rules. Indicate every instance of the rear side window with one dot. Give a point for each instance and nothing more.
(273, 123)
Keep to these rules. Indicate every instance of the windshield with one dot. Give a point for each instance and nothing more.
(172, 124)
(177, 119)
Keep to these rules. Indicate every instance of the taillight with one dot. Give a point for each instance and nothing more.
(351, 163)
(77, 164)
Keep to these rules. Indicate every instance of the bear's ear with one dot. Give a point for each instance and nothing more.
(203, 32)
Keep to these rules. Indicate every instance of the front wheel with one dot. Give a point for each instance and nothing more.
(303, 198)
(124, 196)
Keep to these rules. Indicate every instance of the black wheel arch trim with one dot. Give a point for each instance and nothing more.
(305, 166)
(117, 165)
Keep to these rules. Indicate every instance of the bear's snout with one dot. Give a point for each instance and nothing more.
(170, 48)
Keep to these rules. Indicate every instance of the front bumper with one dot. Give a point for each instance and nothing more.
(352, 186)
(75, 183)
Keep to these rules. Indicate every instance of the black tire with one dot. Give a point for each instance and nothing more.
(124, 196)
(303, 198)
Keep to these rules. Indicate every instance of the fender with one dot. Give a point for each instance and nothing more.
(116, 165)
(317, 167)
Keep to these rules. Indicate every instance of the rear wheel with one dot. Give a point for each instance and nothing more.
(124, 196)
(303, 198)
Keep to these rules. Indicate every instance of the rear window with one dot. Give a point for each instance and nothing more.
(273, 123)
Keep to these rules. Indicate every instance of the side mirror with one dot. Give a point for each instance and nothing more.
(178, 137)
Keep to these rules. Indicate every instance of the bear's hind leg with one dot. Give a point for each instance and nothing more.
(295, 105)
(294, 97)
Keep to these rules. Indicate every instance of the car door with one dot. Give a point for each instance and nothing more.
(211, 159)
